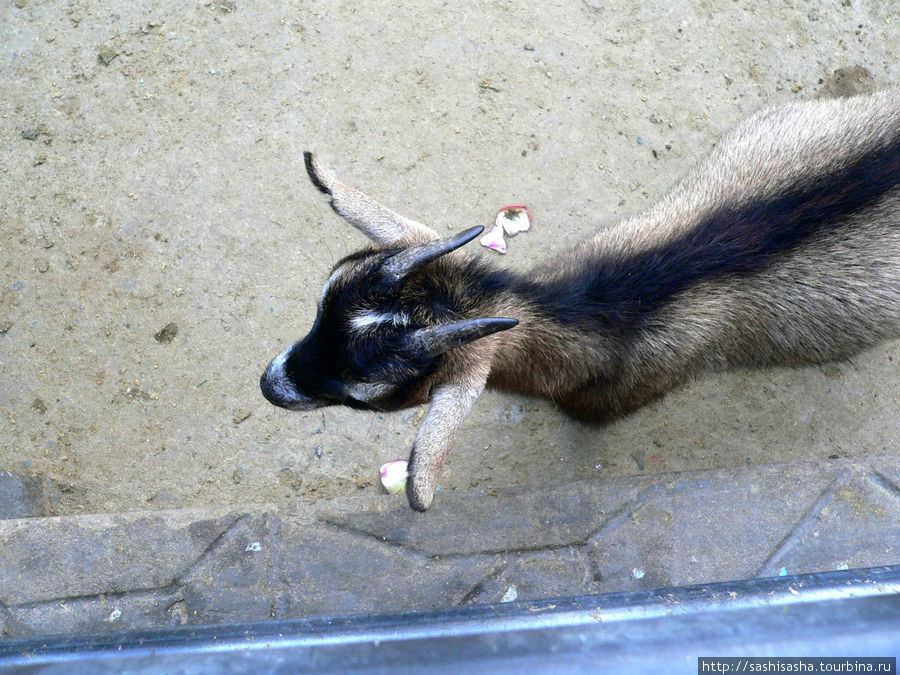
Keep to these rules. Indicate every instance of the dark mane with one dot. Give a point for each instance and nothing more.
(618, 292)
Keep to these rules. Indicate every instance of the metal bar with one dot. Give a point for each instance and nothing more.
(822, 614)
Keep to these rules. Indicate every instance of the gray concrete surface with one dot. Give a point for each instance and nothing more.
(97, 573)
(152, 176)
(159, 243)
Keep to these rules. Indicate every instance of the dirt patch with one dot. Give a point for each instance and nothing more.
(166, 334)
(847, 82)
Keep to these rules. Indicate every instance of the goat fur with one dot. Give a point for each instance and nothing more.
(781, 247)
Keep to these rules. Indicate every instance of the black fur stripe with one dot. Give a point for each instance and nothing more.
(311, 172)
(617, 292)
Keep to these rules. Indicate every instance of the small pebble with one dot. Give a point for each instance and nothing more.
(107, 55)
(166, 334)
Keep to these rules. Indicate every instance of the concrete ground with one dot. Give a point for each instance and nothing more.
(107, 572)
(159, 240)
(153, 177)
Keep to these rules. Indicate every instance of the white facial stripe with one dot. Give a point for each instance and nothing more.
(366, 319)
(360, 321)
(366, 391)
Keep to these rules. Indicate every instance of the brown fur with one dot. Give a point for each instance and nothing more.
(831, 295)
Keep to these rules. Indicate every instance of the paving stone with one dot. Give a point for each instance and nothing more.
(28, 495)
(93, 614)
(857, 524)
(763, 521)
(20, 496)
(333, 571)
(537, 575)
(58, 558)
(507, 520)
(109, 572)
(722, 525)
(237, 578)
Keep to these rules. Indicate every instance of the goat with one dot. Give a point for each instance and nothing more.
(782, 247)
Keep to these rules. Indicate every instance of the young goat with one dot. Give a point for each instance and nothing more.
(781, 248)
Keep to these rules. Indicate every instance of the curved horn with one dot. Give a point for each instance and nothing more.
(435, 340)
(401, 264)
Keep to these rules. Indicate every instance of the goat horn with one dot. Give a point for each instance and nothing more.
(401, 264)
(435, 340)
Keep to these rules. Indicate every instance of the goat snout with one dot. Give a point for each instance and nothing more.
(272, 391)
(276, 386)
(280, 390)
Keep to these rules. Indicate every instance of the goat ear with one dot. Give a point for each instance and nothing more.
(377, 222)
(401, 264)
(436, 340)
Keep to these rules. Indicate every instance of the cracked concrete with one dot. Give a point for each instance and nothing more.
(98, 555)
(148, 569)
